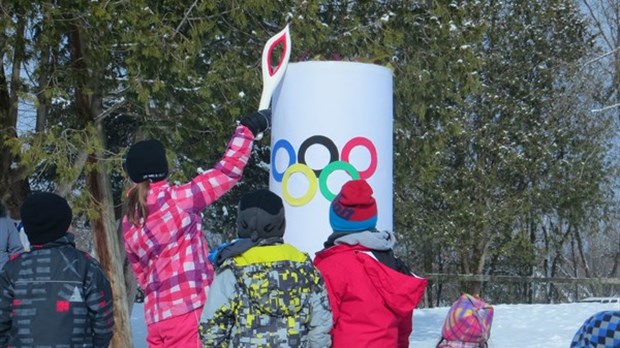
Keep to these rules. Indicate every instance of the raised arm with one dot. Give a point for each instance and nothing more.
(207, 187)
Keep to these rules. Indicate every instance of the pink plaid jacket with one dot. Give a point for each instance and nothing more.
(169, 252)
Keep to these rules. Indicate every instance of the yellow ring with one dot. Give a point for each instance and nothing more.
(312, 181)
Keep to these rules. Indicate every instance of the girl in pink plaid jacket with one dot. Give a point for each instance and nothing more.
(163, 237)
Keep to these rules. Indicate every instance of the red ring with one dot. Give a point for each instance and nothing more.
(362, 141)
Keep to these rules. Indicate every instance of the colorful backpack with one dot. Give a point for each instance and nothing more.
(468, 323)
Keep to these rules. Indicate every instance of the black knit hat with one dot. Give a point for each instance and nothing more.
(46, 217)
(146, 160)
(260, 215)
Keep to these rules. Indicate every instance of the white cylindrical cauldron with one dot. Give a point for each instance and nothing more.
(332, 121)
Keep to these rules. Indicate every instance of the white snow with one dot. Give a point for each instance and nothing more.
(514, 326)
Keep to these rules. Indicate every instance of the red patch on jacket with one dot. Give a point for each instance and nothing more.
(14, 256)
(62, 306)
(15, 304)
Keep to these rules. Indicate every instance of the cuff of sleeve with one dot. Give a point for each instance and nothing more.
(244, 131)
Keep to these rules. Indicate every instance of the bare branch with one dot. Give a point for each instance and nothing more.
(605, 108)
(176, 31)
(597, 22)
(63, 188)
(110, 110)
(601, 57)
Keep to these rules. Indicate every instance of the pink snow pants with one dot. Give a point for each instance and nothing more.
(176, 332)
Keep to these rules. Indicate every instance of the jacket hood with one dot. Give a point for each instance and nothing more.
(400, 292)
(377, 240)
(372, 239)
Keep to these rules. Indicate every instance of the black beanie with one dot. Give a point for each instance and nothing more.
(260, 215)
(46, 217)
(146, 160)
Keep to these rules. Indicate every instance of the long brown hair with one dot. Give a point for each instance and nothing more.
(137, 210)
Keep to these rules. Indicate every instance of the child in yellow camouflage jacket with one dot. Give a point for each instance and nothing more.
(266, 293)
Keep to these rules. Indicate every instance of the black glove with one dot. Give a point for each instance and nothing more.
(257, 122)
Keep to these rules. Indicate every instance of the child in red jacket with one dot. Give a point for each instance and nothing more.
(163, 237)
(371, 292)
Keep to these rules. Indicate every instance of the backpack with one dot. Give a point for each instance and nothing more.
(468, 323)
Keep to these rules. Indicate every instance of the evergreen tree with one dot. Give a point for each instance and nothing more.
(498, 165)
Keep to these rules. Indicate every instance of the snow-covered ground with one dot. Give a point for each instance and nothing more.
(514, 326)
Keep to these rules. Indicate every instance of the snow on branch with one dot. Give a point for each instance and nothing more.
(601, 56)
(606, 108)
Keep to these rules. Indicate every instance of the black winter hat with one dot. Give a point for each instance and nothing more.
(46, 217)
(146, 160)
(260, 215)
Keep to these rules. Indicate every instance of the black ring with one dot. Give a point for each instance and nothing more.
(320, 140)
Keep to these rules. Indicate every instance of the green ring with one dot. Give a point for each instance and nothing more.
(332, 167)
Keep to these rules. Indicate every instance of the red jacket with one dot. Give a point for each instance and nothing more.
(372, 304)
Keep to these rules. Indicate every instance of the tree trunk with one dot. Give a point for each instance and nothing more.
(108, 249)
(45, 67)
(580, 250)
(13, 187)
(107, 244)
(617, 57)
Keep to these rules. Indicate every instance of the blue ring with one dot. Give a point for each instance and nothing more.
(282, 143)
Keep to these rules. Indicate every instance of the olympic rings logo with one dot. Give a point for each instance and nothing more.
(317, 178)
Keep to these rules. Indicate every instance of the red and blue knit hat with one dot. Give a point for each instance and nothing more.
(354, 209)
